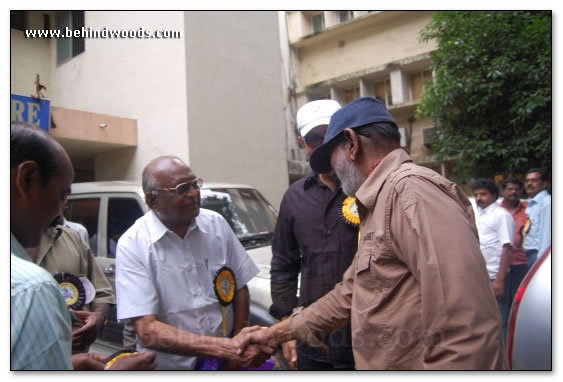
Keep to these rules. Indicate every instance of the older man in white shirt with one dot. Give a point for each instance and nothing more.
(167, 263)
(496, 232)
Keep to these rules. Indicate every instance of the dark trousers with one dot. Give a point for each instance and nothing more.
(304, 363)
(504, 303)
(532, 257)
(517, 273)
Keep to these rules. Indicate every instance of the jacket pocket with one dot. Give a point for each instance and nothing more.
(367, 289)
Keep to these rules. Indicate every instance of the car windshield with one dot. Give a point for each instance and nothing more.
(248, 213)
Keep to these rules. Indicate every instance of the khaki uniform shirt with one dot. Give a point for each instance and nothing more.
(417, 293)
(68, 253)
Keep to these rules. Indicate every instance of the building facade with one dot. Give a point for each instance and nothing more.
(134, 85)
(343, 55)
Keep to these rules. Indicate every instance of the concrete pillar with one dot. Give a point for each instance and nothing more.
(399, 87)
(337, 95)
(365, 89)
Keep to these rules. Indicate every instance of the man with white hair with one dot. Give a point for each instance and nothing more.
(417, 293)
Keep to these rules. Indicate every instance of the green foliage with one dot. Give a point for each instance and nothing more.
(491, 95)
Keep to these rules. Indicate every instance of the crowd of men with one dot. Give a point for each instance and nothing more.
(385, 251)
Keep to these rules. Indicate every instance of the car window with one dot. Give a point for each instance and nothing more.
(122, 214)
(85, 212)
(246, 211)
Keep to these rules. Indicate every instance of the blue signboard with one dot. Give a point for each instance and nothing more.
(30, 110)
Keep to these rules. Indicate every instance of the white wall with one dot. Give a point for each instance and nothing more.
(235, 99)
(134, 78)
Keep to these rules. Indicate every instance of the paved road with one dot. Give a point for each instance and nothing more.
(104, 347)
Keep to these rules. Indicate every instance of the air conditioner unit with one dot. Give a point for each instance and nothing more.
(428, 135)
(403, 137)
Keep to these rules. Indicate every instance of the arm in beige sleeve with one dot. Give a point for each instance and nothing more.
(330, 312)
(439, 244)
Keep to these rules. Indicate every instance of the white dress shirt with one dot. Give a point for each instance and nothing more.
(496, 228)
(159, 273)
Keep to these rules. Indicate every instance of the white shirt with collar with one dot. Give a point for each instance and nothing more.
(159, 273)
(496, 228)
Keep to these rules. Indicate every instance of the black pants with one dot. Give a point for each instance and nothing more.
(304, 363)
(532, 257)
(517, 273)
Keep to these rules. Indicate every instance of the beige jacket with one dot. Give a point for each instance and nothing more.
(69, 253)
(417, 293)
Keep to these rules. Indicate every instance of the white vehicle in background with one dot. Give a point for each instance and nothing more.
(529, 323)
(108, 209)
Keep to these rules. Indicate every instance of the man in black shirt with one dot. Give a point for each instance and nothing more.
(316, 235)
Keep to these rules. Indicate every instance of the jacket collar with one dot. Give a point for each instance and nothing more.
(368, 191)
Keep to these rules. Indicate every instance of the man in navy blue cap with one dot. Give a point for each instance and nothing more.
(417, 293)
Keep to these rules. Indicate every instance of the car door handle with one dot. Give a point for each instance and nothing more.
(109, 271)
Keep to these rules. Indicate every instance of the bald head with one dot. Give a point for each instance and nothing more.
(160, 165)
(175, 209)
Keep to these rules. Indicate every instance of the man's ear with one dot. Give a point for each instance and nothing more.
(26, 175)
(150, 199)
(301, 142)
(353, 146)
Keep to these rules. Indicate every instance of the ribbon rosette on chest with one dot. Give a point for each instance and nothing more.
(349, 212)
(72, 289)
(225, 287)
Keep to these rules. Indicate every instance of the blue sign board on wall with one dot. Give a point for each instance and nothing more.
(30, 110)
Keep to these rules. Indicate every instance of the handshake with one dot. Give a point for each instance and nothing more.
(252, 346)
(255, 344)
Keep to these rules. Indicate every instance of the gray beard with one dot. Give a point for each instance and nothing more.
(350, 177)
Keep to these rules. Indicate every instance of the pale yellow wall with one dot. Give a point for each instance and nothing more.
(235, 99)
(357, 53)
(28, 57)
(377, 44)
(297, 24)
(143, 79)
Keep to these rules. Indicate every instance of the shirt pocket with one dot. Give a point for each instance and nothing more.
(176, 290)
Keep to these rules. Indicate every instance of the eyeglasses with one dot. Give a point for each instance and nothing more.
(184, 188)
(313, 139)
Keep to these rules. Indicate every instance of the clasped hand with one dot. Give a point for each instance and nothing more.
(250, 354)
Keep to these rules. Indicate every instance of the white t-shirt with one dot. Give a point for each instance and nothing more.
(159, 273)
(496, 228)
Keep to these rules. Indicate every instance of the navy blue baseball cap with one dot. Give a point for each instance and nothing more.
(359, 112)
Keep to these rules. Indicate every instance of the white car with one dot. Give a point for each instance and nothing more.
(108, 209)
(529, 325)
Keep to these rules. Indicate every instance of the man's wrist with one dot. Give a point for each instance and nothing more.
(221, 347)
(280, 332)
(100, 321)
